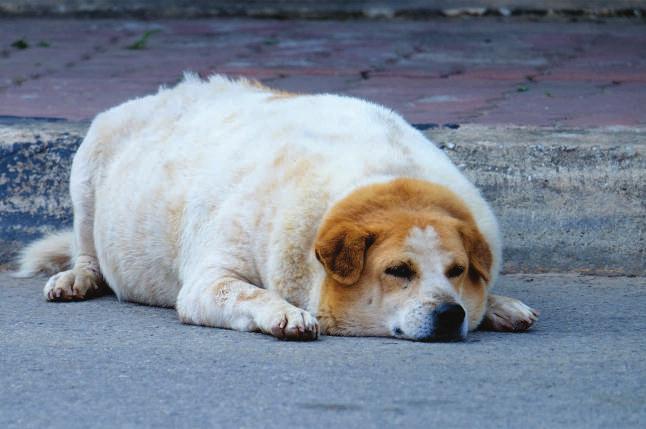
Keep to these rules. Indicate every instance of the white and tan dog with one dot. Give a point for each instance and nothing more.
(258, 210)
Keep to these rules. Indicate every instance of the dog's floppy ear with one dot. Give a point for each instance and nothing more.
(478, 251)
(341, 249)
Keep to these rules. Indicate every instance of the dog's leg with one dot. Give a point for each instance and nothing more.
(235, 304)
(508, 314)
(84, 280)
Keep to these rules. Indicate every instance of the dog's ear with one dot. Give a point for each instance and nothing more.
(478, 251)
(342, 249)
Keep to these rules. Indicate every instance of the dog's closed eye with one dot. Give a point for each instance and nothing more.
(403, 271)
(454, 271)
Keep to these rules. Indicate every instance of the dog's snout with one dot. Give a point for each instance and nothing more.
(447, 321)
(440, 322)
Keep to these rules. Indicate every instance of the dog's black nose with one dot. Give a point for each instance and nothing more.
(448, 320)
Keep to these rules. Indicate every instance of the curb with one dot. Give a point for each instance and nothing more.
(314, 9)
(568, 200)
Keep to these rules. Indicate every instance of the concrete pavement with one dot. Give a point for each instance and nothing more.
(100, 363)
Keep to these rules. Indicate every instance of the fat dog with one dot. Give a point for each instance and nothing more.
(260, 210)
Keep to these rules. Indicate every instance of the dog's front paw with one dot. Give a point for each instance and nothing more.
(69, 286)
(293, 324)
(508, 314)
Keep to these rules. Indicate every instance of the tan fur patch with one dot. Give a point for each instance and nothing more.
(475, 297)
(281, 157)
(298, 170)
(175, 211)
(277, 94)
(231, 117)
(170, 169)
(250, 295)
(254, 83)
(281, 95)
(241, 173)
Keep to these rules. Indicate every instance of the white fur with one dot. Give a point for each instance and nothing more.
(424, 247)
(178, 191)
(52, 254)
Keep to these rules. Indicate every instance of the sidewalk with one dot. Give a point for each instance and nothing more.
(480, 71)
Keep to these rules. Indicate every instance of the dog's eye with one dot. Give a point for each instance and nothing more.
(455, 271)
(402, 271)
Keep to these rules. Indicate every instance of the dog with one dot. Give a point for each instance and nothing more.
(294, 215)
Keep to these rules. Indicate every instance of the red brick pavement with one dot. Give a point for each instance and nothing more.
(483, 70)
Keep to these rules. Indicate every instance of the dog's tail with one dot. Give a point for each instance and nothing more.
(48, 255)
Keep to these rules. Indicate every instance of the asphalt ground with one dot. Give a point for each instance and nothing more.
(102, 363)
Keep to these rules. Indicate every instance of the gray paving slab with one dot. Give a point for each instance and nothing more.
(101, 363)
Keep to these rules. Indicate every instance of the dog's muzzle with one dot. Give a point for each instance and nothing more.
(444, 322)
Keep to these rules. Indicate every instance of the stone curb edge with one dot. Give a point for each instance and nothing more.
(354, 9)
(568, 200)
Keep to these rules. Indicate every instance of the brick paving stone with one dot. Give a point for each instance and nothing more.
(484, 70)
(561, 104)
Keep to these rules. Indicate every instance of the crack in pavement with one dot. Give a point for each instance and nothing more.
(554, 60)
(83, 57)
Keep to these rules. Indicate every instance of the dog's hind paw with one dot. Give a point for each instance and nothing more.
(69, 286)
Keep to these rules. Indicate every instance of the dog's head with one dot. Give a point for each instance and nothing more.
(403, 259)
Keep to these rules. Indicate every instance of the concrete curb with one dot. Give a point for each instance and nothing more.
(315, 9)
(567, 200)
(35, 159)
